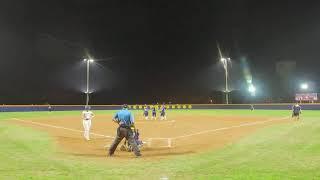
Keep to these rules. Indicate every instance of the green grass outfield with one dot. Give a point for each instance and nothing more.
(283, 151)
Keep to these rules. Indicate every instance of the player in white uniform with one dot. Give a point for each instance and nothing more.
(87, 116)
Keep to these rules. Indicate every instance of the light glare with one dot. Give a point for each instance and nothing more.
(304, 86)
(252, 89)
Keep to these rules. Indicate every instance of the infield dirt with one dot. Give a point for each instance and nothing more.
(188, 134)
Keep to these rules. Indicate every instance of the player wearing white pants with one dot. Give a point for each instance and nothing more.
(87, 116)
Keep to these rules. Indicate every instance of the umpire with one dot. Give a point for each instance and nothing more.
(125, 120)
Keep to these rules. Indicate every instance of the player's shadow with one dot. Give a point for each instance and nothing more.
(157, 154)
(149, 152)
(68, 138)
(88, 155)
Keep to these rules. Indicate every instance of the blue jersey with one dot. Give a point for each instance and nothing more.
(163, 111)
(136, 137)
(154, 111)
(296, 109)
(146, 111)
(124, 117)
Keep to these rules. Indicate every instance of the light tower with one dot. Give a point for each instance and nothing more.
(225, 62)
(88, 61)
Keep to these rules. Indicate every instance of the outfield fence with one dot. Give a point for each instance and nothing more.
(30, 108)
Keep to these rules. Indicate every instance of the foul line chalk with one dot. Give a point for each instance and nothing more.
(227, 128)
(60, 127)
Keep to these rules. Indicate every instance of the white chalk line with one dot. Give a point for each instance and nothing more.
(60, 127)
(169, 142)
(230, 127)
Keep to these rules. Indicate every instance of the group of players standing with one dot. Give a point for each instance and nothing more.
(153, 109)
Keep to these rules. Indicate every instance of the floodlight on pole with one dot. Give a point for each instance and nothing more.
(224, 62)
(88, 61)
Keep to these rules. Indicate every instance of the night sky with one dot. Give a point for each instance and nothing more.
(150, 51)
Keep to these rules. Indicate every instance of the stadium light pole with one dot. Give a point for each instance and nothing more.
(225, 66)
(88, 61)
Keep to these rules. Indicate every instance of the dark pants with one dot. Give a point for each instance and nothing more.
(295, 114)
(124, 132)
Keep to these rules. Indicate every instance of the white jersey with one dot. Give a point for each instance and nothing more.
(87, 115)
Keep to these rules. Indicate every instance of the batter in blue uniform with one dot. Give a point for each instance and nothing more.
(296, 111)
(163, 113)
(146, 112)
(154, 113)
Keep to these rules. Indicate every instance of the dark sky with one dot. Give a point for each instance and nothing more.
(151, 50)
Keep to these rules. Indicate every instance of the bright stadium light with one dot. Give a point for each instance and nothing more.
(225, 67)
(252, 89)
(87, 92)
(225, 61)
(304, 86)
(88, 60)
